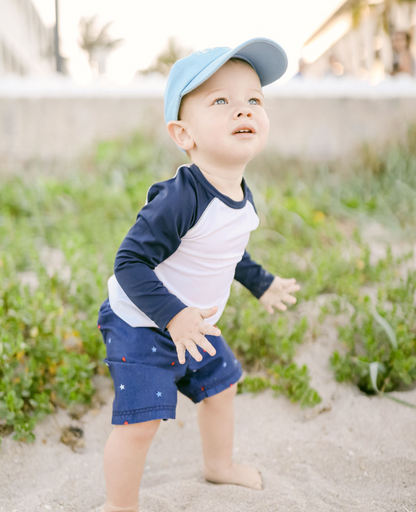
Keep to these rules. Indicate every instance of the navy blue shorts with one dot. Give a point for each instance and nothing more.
(144, 366)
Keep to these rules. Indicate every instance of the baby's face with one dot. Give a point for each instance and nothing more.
(229, 100)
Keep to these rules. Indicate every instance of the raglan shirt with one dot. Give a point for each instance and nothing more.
(185, 248)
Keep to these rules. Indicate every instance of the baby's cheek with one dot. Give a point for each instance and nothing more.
(265, 124)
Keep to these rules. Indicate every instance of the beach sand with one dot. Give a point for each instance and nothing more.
(351, 452)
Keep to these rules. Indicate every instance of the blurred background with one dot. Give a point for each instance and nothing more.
(76, 72)
(83, 137)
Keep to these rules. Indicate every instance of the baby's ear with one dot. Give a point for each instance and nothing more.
(178, 132)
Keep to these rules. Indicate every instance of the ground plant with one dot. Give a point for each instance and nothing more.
(312, 221)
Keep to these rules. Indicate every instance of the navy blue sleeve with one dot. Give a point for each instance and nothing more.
(249, 273)
(253, 276)
(168, 214)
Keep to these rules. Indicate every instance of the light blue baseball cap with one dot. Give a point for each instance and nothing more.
(267, 58)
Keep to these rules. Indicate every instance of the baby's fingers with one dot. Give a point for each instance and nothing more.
(190, 346)
(277, 305)
(289, 284)
(180, 349)
(290, 299)
(205, 344)
(192, 349)
(289, 287)
(205, 328)
(280, 306)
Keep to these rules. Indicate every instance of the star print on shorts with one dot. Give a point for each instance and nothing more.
(147, 376)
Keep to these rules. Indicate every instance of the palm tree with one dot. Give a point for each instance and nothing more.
(166, 59)
(96, 42)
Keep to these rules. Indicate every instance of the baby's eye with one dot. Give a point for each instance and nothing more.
(219, 99)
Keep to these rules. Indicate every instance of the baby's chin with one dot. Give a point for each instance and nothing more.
(246, 147)
(231, 153)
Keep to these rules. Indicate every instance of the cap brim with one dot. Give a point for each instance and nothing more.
(266, 56)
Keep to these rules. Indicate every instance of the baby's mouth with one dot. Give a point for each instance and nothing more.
(245, 131)
(244, 135)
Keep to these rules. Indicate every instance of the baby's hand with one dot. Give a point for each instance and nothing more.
(187, 328)
(279, 291)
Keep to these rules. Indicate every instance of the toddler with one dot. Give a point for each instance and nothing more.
(174, 269)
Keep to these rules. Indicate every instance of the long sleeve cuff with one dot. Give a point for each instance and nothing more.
(165, 316)
(253, 276)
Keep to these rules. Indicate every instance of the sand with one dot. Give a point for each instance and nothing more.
(350, 453)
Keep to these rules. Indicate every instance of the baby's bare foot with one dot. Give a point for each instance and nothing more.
(238, 474)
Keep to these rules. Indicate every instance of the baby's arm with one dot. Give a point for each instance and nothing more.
(156, 234)
(253, 276)
(269, 289)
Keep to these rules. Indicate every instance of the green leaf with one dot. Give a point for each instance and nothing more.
(386, 326)
(373, 375)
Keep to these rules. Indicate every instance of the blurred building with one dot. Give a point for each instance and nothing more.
(359, 41)
(26, 45)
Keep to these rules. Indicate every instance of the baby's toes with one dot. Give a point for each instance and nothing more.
(258, 481)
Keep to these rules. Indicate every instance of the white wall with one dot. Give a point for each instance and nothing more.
(312, 120)
(26, 45)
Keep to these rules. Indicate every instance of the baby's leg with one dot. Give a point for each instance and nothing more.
(124, 458)
(216, 424)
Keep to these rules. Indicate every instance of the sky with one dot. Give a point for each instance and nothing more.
(196, 25)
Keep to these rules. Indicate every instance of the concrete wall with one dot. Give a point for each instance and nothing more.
(331, 128)
(60, 128)
(310, 121)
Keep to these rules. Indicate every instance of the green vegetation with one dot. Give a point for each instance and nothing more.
(312, 221)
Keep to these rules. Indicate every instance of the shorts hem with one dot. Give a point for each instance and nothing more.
(233, 378)
(161, 412)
